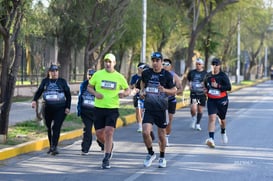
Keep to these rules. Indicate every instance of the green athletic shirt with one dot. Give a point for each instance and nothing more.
(109, 85)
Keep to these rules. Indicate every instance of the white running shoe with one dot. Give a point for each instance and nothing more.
(193, 122)
(84, 153)
(198, 127)
(139, 130)
(167, 140)
(162, 163)
(210, 143)
(224, 138)
(149, 159)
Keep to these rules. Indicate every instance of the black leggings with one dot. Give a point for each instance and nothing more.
(54, 118)
(88, 120)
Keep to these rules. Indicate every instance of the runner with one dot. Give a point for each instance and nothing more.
(138, 103)
(197, 94)
(167, 64)
(57, 102)
(86, 111)
(217, 84)
(156, 86)
(108, 86)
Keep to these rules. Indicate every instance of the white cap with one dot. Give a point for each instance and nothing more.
(199, 60)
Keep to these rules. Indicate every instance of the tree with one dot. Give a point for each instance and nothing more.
(105, 26)
(10, 21)
(198, 25)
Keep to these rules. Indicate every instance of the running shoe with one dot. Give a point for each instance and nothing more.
(84, 153)
(224, 138)
(105, 164)
(149, 159)
(49, 151)
(54, 151)
(193, 123)
(210, 143)
(198, 127)
(162, 163)
(139, 130)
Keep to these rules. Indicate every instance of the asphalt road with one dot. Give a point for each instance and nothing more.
(248, 156)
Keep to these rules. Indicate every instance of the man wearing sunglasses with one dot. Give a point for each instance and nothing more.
(197, 94)
(217, 84)
(138, 103)
(156, 85)
(167, 65)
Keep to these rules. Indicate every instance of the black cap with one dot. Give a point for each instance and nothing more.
(53, 67)
(157, 55)
(140, 65)
(91, 72)
(216, 61)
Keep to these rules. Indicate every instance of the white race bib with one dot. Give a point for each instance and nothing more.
(214, 92)
(89, 102)
(51, 97)
(108, 85)
(153, 90)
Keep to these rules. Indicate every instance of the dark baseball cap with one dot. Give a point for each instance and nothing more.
(216, 61)
(53, 67)
(91, 72)
(156, 55)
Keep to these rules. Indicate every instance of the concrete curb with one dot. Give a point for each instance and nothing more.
(41, 144)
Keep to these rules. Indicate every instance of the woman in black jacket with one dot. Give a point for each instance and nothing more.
(217, 84)
(57, 102)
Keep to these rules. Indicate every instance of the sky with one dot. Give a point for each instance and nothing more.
(45, 2)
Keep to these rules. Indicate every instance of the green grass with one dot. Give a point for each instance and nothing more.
(21, 99)
(32, 130)
(126, 109)
(25, 131)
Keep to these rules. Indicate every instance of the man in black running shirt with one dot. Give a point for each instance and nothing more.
(156, 85)
(197, 95)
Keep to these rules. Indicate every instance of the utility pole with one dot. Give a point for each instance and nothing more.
(265, 62)
(238, 55)
(144, 22)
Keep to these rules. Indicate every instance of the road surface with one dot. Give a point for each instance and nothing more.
(248, 155)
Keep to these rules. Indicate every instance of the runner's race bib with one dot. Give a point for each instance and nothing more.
(108, 85)
(88, 100)
(53, 94)
(214, 92)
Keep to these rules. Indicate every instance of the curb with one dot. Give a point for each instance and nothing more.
(41, 144)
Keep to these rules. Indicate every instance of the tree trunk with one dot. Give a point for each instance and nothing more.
(189, 59)
(64, 58)
(8, 91)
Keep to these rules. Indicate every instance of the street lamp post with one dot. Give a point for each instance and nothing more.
(144, 19)
(265, 63)
(238, 55)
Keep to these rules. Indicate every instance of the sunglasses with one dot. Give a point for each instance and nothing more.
(141, 67)
(166, 64)
(198, 64)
